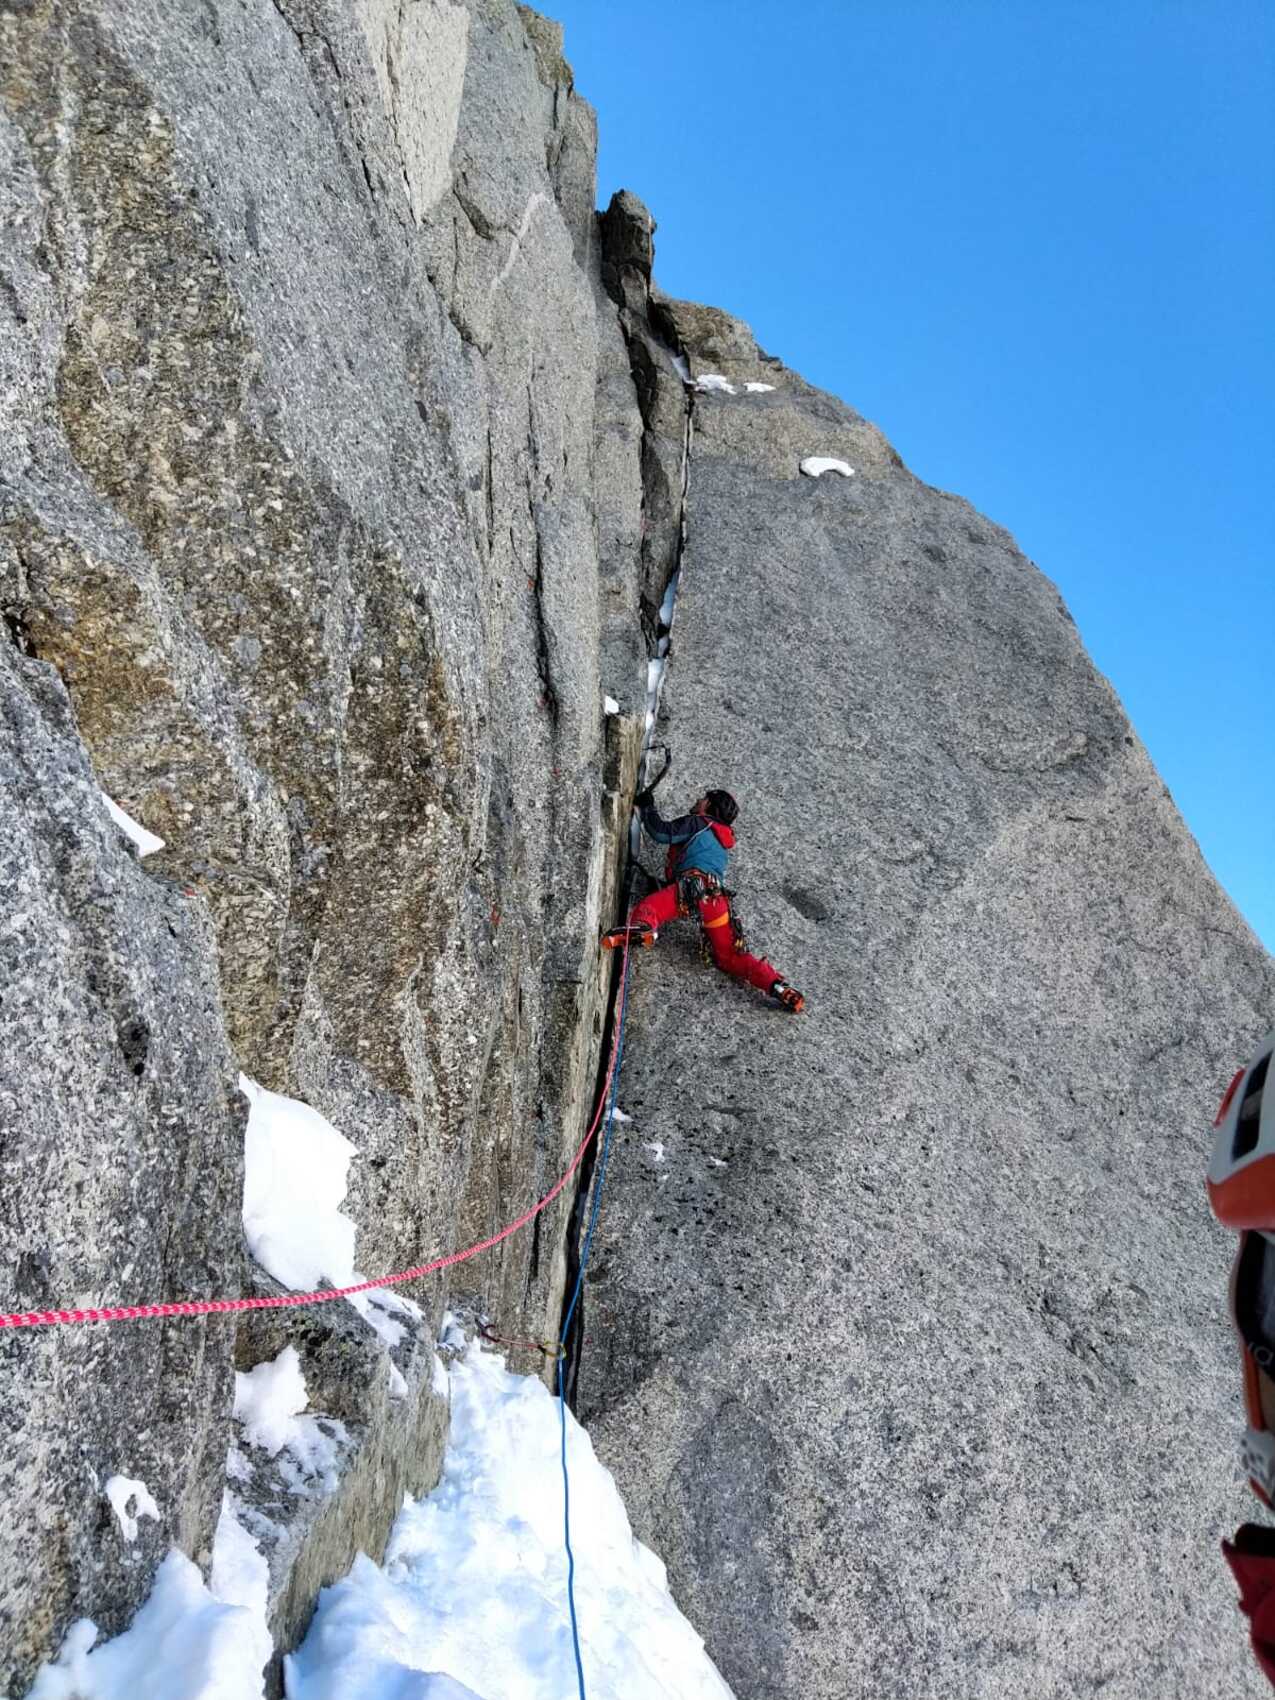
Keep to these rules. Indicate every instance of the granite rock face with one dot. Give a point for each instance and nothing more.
(905, 1337)
(304, 347)
(120, 1134)
(347, 461)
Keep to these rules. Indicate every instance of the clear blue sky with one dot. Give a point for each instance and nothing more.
(1035, 243)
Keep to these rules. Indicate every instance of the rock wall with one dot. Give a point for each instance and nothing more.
(905, 1334)
(346, 460)
(320, 507)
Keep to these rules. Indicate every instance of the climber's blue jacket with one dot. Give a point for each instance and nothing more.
(694, 841)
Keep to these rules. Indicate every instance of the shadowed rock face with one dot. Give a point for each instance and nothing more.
(909, 1351)
(305, 538)
(120, 1133)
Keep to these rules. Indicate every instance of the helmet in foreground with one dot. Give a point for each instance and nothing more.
(1241, 1189)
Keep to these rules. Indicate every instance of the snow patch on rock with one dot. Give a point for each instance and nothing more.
(147, 843)
(471, 1602)
(295, 1169)
(269, 1404)
(187, 1642)
(130, 1501)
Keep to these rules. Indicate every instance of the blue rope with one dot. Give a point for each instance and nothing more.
(566, 1325)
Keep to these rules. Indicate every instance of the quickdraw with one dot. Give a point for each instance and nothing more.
(552, 1351)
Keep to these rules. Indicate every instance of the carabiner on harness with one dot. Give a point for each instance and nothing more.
(692, 888)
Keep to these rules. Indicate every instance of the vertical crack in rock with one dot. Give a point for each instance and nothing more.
(580, 1205)
(544, 666)
(667, 407)
(544, 635)
(657, 362)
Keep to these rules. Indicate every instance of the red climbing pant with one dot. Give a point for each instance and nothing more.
(1252, 1558)
(715, 917)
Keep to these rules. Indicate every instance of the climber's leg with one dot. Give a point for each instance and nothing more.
(719, 930)
(657, 909)
(645, 922)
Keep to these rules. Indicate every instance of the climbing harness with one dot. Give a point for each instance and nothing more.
(693, 886)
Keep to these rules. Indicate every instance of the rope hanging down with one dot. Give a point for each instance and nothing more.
(609, 1088)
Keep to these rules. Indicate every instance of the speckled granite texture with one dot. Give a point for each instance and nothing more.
(344, 460)
(306, 549)
(906, 1334)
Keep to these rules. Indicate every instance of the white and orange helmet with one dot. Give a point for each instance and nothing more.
(1241, 1189)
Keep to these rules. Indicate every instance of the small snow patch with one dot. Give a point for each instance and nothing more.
(147, 843)
(718, 1162)
(381, 1309)
(130, 1501)
(241, 1577)
(452, 1338)
(238, 1469)
(710, 381)
(758, 389)
(669, 602)
(268, 1397)
(295, 1167)
(656, 1148)
(269, 1401)
(814, 466)
(654, 685)
(610, 706)
(618, 1115)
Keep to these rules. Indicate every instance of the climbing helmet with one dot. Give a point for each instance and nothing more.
(1241, 1190)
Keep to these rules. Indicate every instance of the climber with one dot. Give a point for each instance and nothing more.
(1241, 1189)
(699, 844)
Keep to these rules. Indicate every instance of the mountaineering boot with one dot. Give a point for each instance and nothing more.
(788, 997)
(640, 938)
